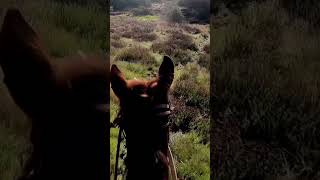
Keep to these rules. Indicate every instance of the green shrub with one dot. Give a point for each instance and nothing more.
(196, 10)
(176, 40)
(204, 60)
(192, 29)
(179, 46)
(175, 16)
(117, 43)
(265, 80)
(134, 29)
(136, 54)
(191, 165)
(64, 28)
(69, 25)
(141, 11)
(14, 132)
(183, 117)
(193, 87)
(126, 4)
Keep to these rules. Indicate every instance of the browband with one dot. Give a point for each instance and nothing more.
(162, 110)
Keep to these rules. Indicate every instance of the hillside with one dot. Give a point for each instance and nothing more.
(139, 39)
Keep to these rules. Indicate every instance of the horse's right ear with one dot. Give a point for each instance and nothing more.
(166, 72)
(118, 82)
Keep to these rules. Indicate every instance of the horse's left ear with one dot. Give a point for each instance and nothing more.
(19, 44)
(118, 82)
(166, 72)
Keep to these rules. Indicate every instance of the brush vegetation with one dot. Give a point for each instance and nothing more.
(143, 38)
(265, 85)
(65, 29)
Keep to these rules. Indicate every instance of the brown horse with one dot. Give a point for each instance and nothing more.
(144, 109)
(63, 99)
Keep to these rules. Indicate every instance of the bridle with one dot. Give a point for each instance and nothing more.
(161, 112)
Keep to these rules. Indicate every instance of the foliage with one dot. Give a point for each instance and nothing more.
(135, 54)
(141, 11)
(196, 10)
(175, 16)
(133, 28)
(192, 86)
(265, 89)
(184, 43)
(64, 28)
(149, 18)
(178, 45)
(191, 165)
(126, 4)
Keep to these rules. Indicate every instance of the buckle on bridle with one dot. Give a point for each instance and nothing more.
(162, 110)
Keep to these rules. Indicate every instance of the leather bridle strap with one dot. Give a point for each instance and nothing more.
(161, 110)
(172, 166)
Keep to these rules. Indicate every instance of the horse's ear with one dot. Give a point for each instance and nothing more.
(18, 39)
(118, 82)
(16, 30)
(166, 72)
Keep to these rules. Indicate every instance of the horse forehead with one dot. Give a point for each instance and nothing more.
(137, 83)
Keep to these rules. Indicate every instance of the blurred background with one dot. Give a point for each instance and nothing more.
(265, 89)
(66, 28)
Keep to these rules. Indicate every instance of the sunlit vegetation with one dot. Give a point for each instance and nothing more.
(144, 35)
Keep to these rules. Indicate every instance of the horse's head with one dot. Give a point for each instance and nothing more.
(139, 96)
(145, 108)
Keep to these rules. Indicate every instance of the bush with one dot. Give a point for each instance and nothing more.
(192, 29)
(126, 4)
(192, 86)
(81, 27)
(117, 43)
(136, 54)
(175, 16)
(177, 45)
(190, 165)
(266, 82)
(141, 11)
(307, 10)
(206, 48)
(64, 28)
(204, 60)
(134, 29)
(196, 10)
(183, 116)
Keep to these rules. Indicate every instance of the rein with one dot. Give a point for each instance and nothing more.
(159, 111)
